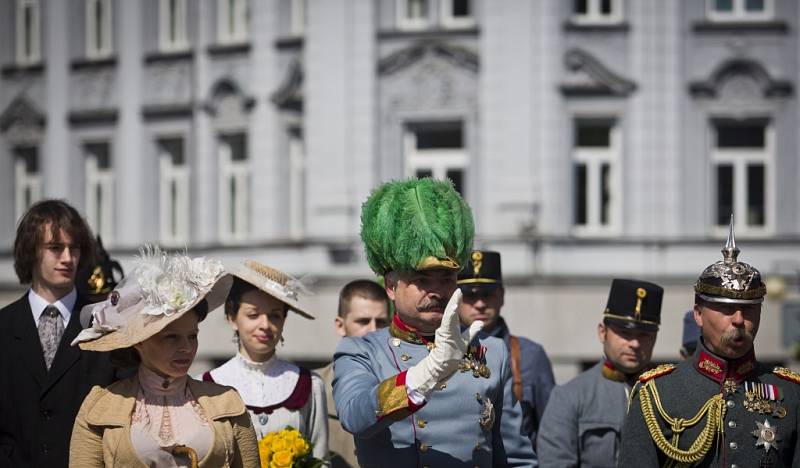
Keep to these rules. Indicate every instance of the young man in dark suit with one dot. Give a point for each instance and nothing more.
(43, 380)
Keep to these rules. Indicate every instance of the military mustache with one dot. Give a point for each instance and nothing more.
(432, 304)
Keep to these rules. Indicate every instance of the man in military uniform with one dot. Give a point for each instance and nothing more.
(721, 407)
(481, 282)
(582, 422)
(422, 392)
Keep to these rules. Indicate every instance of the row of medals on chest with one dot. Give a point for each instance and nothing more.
(762, 399)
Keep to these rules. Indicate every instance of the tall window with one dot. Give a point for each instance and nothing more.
(234, 187)
(298, 17)
(297, 183)
(232, 21)
(597, 11)
(595, 155)
(436, 150)
(100, 188)
(412, 14)
(172, 25)
(28, 32)
(27, 181)
(457, 13)
(173, 192)
(740, 10)
(741, 169)
(98, 28)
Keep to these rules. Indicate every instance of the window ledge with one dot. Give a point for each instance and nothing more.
(432, 31)
(573, 26)
(289, 42)
(739, 26)
(18, 69)
(83, 63)
(92, 116)
(166, 111)
(222, 49)
(160, 56)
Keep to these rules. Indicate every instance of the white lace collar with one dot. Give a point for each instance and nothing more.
(260, 384)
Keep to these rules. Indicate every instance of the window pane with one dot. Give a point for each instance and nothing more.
(756, 207)
(417, 9)
(580, 194)
(232, 205)
(605, 193)
(30, 155)
(580, 7)
(173, 211)
(28, 30)
(238, 146)
(421, 173)
(457, 176)
(101, 153)
(605, 7)
(754, 5)
(593, 134)
(723, 5)
(740, 136)
(724, 194)
(439, 137)
(98, 25)
(173, 147)
(461, 8)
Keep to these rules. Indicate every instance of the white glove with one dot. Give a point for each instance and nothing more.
(444, 358)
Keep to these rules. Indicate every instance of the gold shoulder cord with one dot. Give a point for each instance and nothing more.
(714, 407)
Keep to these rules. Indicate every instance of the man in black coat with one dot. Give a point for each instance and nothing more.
(43, 380)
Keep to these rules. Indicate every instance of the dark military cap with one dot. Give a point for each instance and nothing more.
(634, 304)
(97, 280)
(730, 280)
(482, 273)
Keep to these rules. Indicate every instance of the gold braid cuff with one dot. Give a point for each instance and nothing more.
(714, 408)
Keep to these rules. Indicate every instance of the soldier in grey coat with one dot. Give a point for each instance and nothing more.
(583, 420)
(721, 407)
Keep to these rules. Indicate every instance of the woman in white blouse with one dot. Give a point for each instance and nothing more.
(277, 393)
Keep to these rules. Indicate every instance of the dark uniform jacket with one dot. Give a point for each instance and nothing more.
(37, 407)
(760, 404)
(537, 378)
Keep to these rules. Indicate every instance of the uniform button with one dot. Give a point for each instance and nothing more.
(423, 447)
(405, 357)
(731, 424)
(421, 423)
(734, 466)
(734, 445)
(396, 342)
(730, 404)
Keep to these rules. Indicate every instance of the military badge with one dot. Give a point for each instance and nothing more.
(486, 418)
(763, 398)
(475, 361)
(729, 387)
(767, 435)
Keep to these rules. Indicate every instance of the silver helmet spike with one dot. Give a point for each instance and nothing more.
(730, 253)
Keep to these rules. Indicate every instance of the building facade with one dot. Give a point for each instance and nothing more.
(592, 138)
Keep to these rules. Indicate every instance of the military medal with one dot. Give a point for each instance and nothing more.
(729, 386)
(486, 418)
(767, 435)
(475, 361)
(763, 398)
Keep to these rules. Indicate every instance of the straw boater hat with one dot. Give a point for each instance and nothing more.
(160, 289)
(275, 283)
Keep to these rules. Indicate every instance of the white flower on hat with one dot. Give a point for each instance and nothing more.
(172, 294)
(203, 272)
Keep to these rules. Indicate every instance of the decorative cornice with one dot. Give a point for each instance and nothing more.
(223, 87)
(93, 116)
(770, 86)
(21, 109)
(84, 63)
(408, 56)
(603, 80)
(225, 49)
(289, 94)
(159, 56)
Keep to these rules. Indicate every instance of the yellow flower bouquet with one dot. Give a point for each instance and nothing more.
(286, 449)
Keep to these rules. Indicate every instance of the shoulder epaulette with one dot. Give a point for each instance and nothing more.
(663, 369)
(787, 374)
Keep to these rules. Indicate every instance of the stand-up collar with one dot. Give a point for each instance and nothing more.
(399, 329)
(720, 369)
(610, 372)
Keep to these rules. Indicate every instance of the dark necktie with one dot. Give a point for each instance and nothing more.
(51, 327)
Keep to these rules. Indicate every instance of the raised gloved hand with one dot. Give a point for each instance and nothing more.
(444, 358)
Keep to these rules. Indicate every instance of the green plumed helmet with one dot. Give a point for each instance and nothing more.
(416, 224)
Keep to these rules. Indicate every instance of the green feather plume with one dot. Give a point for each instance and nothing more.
(406, 221)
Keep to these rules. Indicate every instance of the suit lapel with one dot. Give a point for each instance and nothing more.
(28, 347)
(66, 355)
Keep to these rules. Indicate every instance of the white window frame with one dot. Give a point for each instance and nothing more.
(739, 13)
(177, 208)
(33, 56)
(241, 30)
(450, 21)
(100, 181)
(297, 183)
(740, 158)
(26, 185)
(239, 173)
(594, 16)
(411, 24)
(297, 17)
(165, 19)
(436, 160)
(106, 46)
(594, 158)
